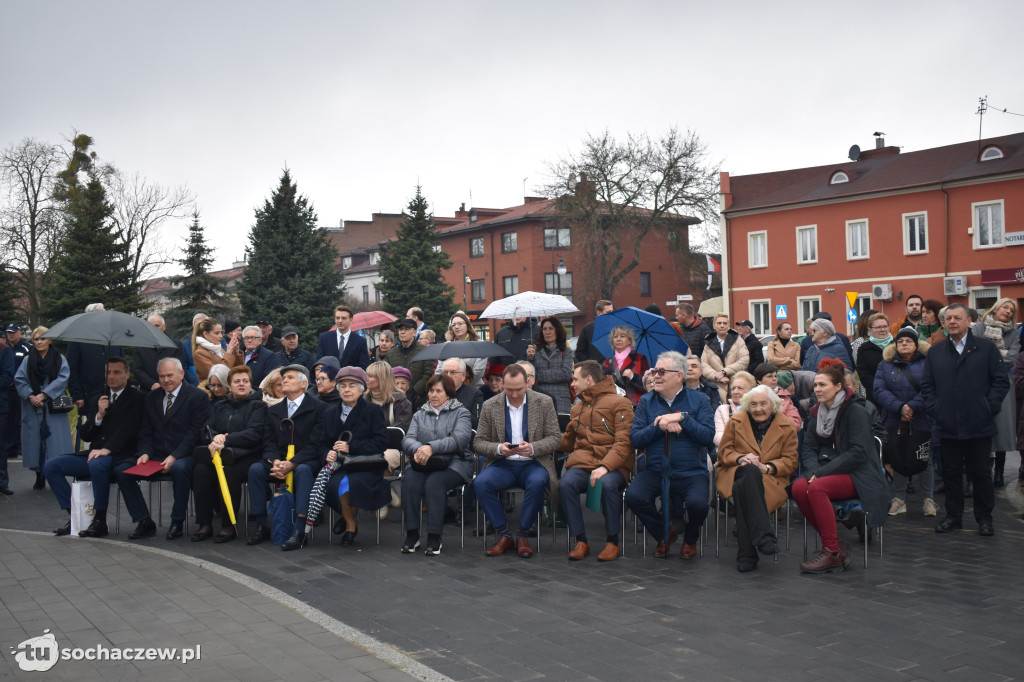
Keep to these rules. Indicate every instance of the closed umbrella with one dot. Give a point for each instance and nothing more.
(318, 494)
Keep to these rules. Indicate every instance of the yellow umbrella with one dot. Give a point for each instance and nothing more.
(218, 464)
(290, 478)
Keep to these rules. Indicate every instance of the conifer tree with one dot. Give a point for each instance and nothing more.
(411, 268)
(198, 290)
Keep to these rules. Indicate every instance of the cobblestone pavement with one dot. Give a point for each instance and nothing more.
(932, 608)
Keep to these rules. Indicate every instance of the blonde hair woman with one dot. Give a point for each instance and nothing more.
(461, 329)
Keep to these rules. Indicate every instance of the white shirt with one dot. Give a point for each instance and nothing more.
(517, 428)
(114, 395)
(175, 393)
(961, 344)
(342, 340)
(297, 403)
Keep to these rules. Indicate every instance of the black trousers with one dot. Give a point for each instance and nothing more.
(753, 524)
(972, 456)
(206, 486)
(433, 487)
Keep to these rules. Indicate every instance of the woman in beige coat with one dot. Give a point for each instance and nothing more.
(207, 351)
(783, 351)
(725, 353)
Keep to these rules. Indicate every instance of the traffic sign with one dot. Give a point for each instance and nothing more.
(851, 296)
(851, 315)
(780, 312)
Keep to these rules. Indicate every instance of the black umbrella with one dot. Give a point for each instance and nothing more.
(110, 328)
(461, 349)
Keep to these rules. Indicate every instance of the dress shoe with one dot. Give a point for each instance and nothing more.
(225, 536)
(504, 544)
(202, 534)
(259, 534)
(687, 551)
(339, 527)
(349, 537)
(523, 548)
(985, 528)
(609, 553)
(746, 564)
(40, 482)
(661, 551)
(5, 490)
(824, 562)
(768, 547)
(579, 551)
(176, 530)
(96, 529)
(295, 541)
(145, 529)
(63, 530)
(947, 524)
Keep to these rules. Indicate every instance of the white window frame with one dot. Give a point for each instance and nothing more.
(906, 233)
(374, 258)
(802, 319)
(988, 155)
(751, 236)
(814, 230)
(346, 262)
(474, 241)
(977, 229)
(764, 322)
(838, 178)
(867, 239)
(506, 281)
(972, 295)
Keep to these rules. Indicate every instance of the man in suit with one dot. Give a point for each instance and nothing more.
(416, 314)
(306, 414)
(518, 433)
(146, 359)
(260, 360)
(343, 343)
(172, 423)
(111, 430)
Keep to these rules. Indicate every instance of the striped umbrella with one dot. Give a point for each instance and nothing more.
(374, 318)
(319, 493)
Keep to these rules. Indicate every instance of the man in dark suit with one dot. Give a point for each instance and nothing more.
(172, 422)
(416, 314)
(111, 429)
(260, 360)
(344, 344)
(146, 359)
(306, 414)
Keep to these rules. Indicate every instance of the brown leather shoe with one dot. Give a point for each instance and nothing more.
(504, 544)
(523, 548)
(579, 551)
(661, 551)
(687, 551)
(824, 562)
(609, 553)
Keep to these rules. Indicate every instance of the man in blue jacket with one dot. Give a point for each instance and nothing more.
(680, 418)
(963, 387)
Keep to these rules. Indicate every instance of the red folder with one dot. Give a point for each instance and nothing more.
(148, 469)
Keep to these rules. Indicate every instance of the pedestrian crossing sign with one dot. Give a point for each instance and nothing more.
(780, 312)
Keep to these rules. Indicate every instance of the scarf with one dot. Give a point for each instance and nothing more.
(212, 347)
(436, 411)
(42, 370)
(761, 428)
(881, 343)
(783, 341)
(621, 356)
(827, 415)
(926, 330)
(994, 331)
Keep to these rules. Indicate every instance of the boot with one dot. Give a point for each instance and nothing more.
(997, 476)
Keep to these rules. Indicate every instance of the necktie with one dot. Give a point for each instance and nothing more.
(291, 408)
(341, 344)
(113, 397)
(170, 401)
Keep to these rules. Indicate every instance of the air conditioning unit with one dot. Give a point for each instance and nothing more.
(881, 292)
(954, 286)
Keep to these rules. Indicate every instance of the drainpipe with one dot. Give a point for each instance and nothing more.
(945, 194)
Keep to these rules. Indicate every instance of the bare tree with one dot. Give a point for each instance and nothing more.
(29, 220)
(613, 193)
(141, 208)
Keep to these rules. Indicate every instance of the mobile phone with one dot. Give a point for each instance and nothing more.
(513, 446)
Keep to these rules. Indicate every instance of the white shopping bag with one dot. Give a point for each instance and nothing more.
(82, 509)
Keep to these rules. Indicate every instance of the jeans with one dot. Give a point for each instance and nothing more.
(688, 496)
(926, 478)
(529, 475)
(259, 479)
(576, 481)
(57, 469)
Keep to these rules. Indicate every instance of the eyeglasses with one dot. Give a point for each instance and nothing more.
(252, 338)
(322, 380)
(879, 329)
(452, 372)
(660, 372)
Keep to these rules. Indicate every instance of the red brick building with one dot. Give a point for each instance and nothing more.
(946, 223)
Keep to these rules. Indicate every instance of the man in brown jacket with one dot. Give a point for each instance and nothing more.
(598, 439)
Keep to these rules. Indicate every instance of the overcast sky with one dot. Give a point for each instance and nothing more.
(363, 100)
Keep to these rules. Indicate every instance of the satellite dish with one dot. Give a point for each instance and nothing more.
(854, 152)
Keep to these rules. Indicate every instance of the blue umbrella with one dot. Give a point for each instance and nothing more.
(654, 335)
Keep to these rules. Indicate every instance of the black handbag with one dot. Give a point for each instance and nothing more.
(62, 404)
(436, 462)
(908, 451)
(353, 464)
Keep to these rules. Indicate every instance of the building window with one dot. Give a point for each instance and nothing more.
(838, 178)
(374, 258)
(476, 247)
(757, 249)
(645, 284)
(509, 242)
(558, 284)
(808, 307)
(983, 298)
(991, 153)
(760, 315)
(436, 248)
(376, 296)
(479, 291)
(807, 244)
(988, 224)
(856, 239)
(366, 294)
(511, 285)
(915, 233)
(863, 304)
(346, 262)
(557, 238)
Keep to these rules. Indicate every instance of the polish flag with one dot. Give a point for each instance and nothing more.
(713, 265)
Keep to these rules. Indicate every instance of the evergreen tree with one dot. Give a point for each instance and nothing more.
(91, 264)
(290, 276)
(8, 284)
(198, 291)
(410, 268)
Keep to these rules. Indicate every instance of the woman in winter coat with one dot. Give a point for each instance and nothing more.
(382, 391)
(824, 344)
(757, 454)
(897, 390)
(41, 378)
(725, 353)
(626, 367)
(441, 427)
(930, 328)
(552, 359)
(870, 353)
(207, 350)
(242, 435)
(998, 326)
(838, 461)
(783, 352)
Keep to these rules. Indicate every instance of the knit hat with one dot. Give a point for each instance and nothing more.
(825, 326)
(785, 378)
(328, 360)
(330, 370)
(907, 332)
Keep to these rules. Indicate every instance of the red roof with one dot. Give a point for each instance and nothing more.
(496, 216)
(877, 172)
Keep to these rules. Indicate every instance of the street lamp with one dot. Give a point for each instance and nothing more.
(561, 270)
(465, 281)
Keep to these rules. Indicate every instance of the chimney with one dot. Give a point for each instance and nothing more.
(879, 140)
(586, 188)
